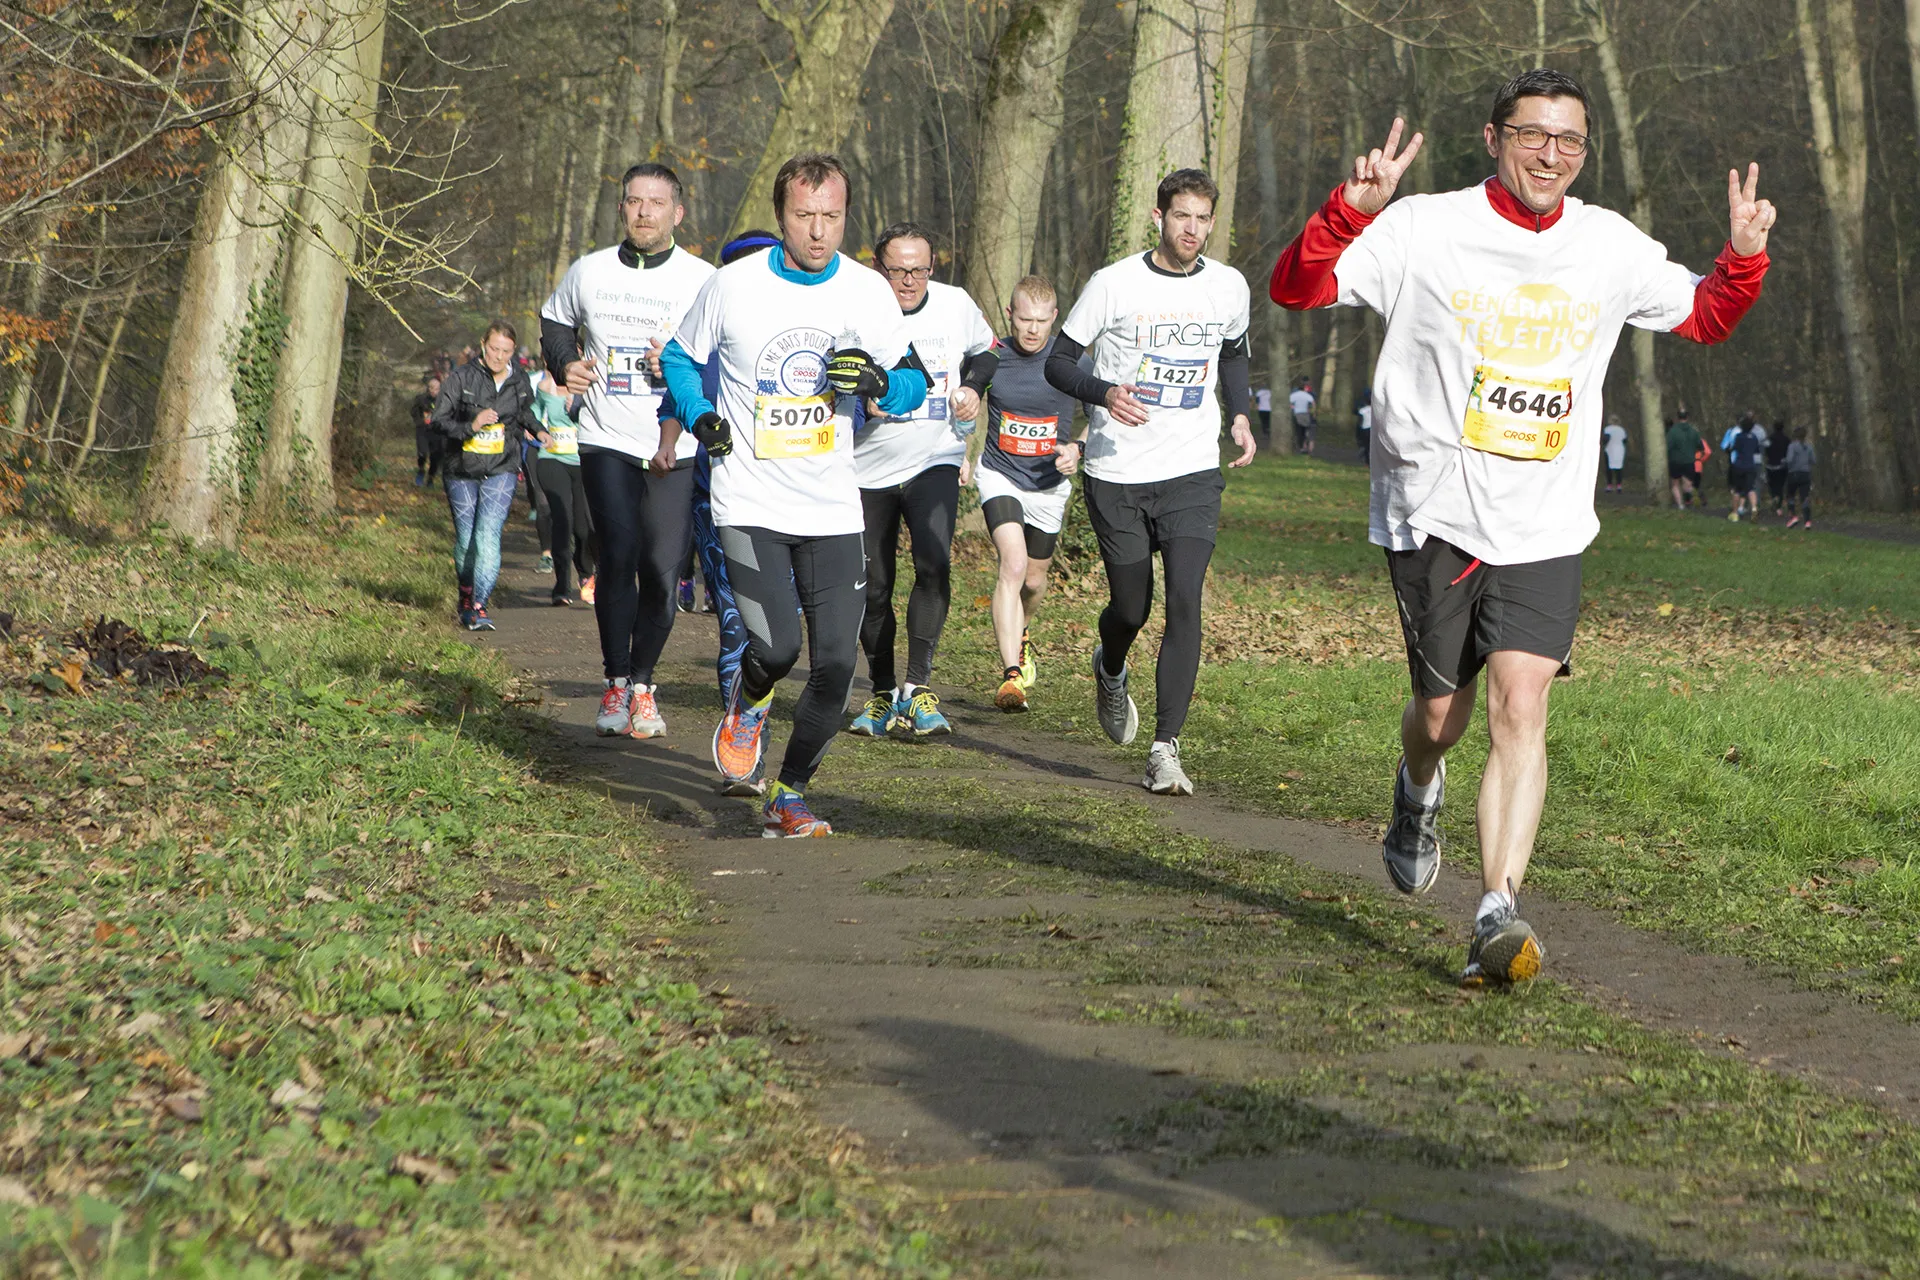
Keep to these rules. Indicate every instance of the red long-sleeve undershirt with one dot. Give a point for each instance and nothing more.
(1304, 276)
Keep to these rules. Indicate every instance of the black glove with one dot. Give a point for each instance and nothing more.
(853, 373)
(711, 430)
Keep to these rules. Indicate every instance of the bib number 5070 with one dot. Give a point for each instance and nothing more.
(792, 426)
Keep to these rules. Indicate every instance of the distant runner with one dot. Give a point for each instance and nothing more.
(1503, 303)
(429, 448)
(1683, 447)
(1778, 442)
(1800, 480)
(1300, 404)
(484, 412)
(1613, 443)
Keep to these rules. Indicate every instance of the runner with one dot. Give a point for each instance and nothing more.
(1683, 447)
(1300, 404)
(1153, 448)
(909, 470)
(557, 467)
(1021, 467)
(1613, 442)
(1800, 480)
(636, 465)
(798, 331)
(1263, 405)
(1744, 450)
(485, 408)
(429, 449)
(1778, 442)
(1503, 304)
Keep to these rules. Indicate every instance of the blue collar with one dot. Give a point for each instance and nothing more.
(777, 259)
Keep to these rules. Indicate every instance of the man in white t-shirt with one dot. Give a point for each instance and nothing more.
(1300, 403)
(800, 333)
(909, 468)
(1263, 405)
(1168, 333)
(1503, 303)
(1613, 443)
(599, 331)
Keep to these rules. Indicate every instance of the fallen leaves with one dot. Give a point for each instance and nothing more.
(422, 1170)
(139, 1025)
(291, 1095)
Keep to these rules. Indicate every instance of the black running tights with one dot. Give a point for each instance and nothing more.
(927, 505)
(1130, 600)
(776, 579)
(570, 538)
(644, 523)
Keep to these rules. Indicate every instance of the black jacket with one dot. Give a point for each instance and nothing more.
(467, 391)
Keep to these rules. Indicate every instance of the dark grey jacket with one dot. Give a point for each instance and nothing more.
(467, 391)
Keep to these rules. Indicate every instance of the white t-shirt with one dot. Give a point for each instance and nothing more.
(1263, 400)
(946, 329)
(791, 469)
(620, 310)
(1613, 438)
(1163, 333)
(1301, 402)
(1487, 396)
(1365, 414)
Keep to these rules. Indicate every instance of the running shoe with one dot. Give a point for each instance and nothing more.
(1411, 849)
(1504, 949)
(561, 600)
(1734, 516)
(740, 739)
(586, 589)
(1806, 524)
(787, 817)
(1792, 521)
(466, 617)
(616, 711)
(546, 562)
(1165, 777)
(875, 718)
(1118, 716)
(478, 619)
(464, 609)
(647, 722)
(1013, 691)
(1029, 668)
(686, 595)
(419, 480)
(923, 714)
(753, 785)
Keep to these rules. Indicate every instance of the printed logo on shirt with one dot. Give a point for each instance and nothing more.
(794, 363)
(1531, 325)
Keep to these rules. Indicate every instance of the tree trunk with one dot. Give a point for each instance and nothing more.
(1913, 52)
(1840, 146)
(1023, 116)
(297, 471)
(44, 236)
(595, 192)
(673, 44)
(822, 94)
(1646, 373)
(1267, 167)
(92, 432)
(1184, 108)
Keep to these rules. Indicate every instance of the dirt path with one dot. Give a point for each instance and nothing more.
(949, 1026)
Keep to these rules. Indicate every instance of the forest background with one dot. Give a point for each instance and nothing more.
(233, 232)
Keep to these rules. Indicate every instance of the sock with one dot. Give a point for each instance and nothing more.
(757, 703)
(1426, 797)
(618, 682)
(1491, 902)
(780, 789)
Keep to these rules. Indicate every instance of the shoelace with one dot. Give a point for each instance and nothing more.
(926, 702)
(744, 724)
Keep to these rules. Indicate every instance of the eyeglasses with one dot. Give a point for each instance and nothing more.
(908, 273)
(1532, 138)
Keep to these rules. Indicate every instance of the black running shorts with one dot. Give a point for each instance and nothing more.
(1455, 610)
(1132, 521)
(1682, 470)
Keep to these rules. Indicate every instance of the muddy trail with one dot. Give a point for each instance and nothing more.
(1107, 1034)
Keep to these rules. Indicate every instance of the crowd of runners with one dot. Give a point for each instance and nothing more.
(780, 418)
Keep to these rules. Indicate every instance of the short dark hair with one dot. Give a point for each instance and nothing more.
(900, 231)
(811, 169)
(648, 169)
(500, 326)
(1538, 83)
(1184, 182)
(745, 243)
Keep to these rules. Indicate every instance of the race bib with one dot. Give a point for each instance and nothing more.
(1517, 417)
(563, 440)
(1028, 437)
(934, 409)
(792, 426)
(1171, 384)
(627, 372)
(491, 439)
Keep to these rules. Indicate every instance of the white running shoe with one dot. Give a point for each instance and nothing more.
(1165, 777)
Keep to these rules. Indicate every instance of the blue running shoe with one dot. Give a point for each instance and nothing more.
(786, 817)
(875, 718)
(921, 713)
(686, 595)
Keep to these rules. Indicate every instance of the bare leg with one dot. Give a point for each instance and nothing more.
(1514, 787)
(1430, 726)
(1010, 588)
(1034, 587)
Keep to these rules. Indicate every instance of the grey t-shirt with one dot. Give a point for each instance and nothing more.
(1027, 418)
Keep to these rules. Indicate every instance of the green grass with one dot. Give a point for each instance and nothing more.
(1742, 770)
(315, 970)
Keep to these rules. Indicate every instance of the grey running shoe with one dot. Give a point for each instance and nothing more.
(1165, 777)
(1118, 716)
(1412, 847)
(1504, 949)
(616, 712)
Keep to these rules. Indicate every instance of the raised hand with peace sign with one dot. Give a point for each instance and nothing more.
(1749, 218)
(1377, 174)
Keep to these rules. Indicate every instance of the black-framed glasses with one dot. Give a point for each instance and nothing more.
(908, 273)
(1533, 138)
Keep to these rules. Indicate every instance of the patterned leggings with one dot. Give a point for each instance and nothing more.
(480, 509)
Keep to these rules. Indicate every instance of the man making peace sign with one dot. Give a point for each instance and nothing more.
(1503, 303)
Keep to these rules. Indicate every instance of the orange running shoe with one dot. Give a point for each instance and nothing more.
(739, 741)
(586, 589)
(647, 721)
(787, 817)
(1013, 691)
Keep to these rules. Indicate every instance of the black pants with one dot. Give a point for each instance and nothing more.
(1777, 485)
(927, 505)
(644, 523)
(1800, 491)
(776, 579)
(572, 541)
(429, 451)
(536, 498)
